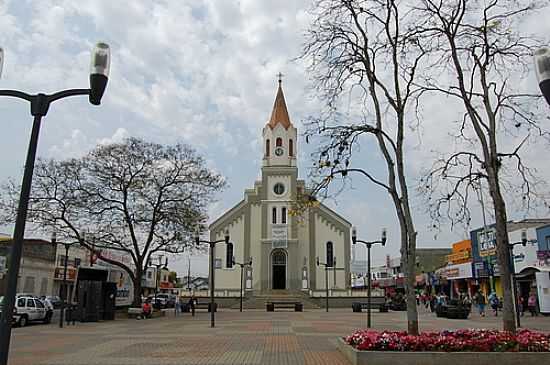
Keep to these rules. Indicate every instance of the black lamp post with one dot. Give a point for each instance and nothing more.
(40, 104)
(326, 265)
(157, 274)
(242, 265)
(542, 69)
(229, 262)
(63, 289)
(369, 245)
(523, 242)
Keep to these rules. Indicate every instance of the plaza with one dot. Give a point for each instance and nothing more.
(251, 337)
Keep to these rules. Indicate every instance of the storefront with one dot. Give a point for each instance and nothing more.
(459, 277)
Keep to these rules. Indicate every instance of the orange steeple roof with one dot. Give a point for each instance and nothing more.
(279, 113)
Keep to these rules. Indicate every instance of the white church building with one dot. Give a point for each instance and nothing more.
(283, 248)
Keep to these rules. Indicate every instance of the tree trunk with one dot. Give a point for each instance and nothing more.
(137, 288)
(503, 255)
(410, 272)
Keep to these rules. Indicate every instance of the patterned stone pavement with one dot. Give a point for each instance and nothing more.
(252, 337)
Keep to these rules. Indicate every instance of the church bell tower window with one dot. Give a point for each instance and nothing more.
(267, 148)
(274, 215)
(291, 148)
(283, 215)
(279, 142)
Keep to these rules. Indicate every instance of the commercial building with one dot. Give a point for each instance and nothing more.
(486, 267)
(457, 276)
(37, 268)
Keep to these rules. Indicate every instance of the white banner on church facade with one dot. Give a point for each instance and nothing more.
(279, 235)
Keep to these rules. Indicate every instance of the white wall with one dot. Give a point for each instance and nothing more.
(228, 278)
(325, 232)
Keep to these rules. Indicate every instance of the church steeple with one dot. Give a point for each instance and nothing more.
(279, 134)
(280, 112)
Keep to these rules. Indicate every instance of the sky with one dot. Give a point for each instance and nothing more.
(201, 72)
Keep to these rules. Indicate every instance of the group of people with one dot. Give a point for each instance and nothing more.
(431, 300)
(479, 300)
(179, 307)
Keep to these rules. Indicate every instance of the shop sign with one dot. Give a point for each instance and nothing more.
(458, 256)
(486, 243)
(279, 235)
(71, 273)
(458, 271)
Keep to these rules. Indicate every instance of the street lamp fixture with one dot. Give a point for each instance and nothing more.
(512, 265)
(382, 241)
(40, 104)
(242, 265)
(229, 264)
(63, 292)
(157, 274)
(327, 265)
(542, 69)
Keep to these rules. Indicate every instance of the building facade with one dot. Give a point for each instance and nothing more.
(284, 249)
(36, 271)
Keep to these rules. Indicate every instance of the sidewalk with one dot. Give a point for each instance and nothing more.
(251, 337)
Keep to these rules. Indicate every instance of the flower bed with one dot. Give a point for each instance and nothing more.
(451, 341)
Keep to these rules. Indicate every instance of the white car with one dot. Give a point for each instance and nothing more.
(28, 309)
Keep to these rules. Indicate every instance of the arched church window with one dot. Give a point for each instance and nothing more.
(279, 258)
(283, 215)
(279, 142)
(274, 215)
(330, 254)
(291, 148)
(267, 148)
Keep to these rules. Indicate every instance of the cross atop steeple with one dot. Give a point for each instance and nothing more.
(280, 78)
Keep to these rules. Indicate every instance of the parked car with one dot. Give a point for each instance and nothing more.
(29, 308)
(453, 308)
(158, 302)
(53, 299)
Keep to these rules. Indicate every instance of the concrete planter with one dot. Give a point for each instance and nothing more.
(438, 358)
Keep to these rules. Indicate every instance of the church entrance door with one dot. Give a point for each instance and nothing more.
(278, 261)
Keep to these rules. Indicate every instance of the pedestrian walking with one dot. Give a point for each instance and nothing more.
(494, 302)
(532, 304)
(480, 302)
(520, 305)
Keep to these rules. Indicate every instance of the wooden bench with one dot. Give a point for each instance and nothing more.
(206, 306)
(375, 304)
(270, 306)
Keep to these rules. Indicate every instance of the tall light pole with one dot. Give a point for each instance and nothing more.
(523, 242)
(242, 265)
(229, 263)
(157, 274)
(369, 244)
(326, 265)
(63, 289)
(40, 104)
(542, 69)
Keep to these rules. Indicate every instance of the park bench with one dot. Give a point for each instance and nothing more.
(297, 306)
(206, 306)
(376, 303)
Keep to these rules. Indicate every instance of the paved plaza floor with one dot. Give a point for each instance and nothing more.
(251, 337)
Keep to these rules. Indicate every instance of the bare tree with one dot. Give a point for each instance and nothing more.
(136, 197)
(481, 59)
(367, 51)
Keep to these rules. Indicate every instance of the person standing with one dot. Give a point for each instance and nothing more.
(532, 304)
(521, 310)
(480, 302)
(494, 302)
